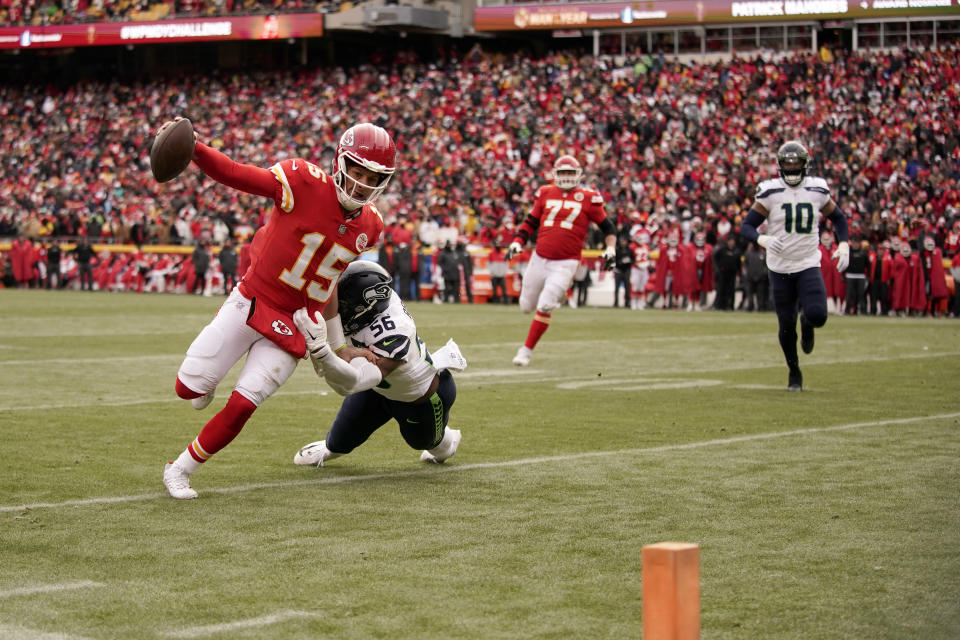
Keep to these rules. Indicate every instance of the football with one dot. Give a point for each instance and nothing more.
(172, 150)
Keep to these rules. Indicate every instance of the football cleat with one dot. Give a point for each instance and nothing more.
(314, 454)
(203, 401)
(806, 335)
(522, 358)
(445, 450)
(795, 380)
(177, 482)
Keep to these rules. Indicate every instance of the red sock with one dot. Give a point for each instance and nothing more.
(541, 322)
(185, 392)
(222, 428)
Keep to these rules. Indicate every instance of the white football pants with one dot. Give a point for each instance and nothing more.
(545, 283)
(222, 343)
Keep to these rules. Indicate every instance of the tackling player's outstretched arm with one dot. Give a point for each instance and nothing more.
(334, 327)
(347, 378)
(344, 377)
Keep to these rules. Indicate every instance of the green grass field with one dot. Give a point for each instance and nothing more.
(834, 513)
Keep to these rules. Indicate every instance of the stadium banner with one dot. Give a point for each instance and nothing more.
(607, 15)
(265, 27)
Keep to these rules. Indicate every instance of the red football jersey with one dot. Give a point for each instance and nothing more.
(298, 255)
(564, 217)
(641, 256)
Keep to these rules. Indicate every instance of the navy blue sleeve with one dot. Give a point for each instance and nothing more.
(839, 220)
(748, 228)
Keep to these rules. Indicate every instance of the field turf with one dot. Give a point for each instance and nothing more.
(832, 513)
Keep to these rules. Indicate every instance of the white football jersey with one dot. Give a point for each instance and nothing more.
(793, 216)
(393, 334)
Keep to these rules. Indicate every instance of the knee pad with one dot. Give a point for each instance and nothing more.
(527, 303)
(554, 294)
(816, 315)
(197, 370)
(257, 388)
(259, 382)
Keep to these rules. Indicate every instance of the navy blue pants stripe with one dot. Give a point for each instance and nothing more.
(421, 425)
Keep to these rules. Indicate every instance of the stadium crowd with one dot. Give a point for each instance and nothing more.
(49, 12)
(675, 148)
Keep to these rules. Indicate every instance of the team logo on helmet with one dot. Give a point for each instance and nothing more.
(346, 140)
(280, 327)
(379, 291)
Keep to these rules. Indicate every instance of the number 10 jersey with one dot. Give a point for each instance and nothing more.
(793, 216)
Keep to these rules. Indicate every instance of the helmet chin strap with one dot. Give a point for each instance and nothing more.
(350, 206)
(350, 203)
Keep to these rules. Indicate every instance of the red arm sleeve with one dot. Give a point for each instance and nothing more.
(243, 177)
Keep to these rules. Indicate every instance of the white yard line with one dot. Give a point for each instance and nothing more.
(482, 465)
(74, 362)
(49, 588)
(250, 623)
(22, 633)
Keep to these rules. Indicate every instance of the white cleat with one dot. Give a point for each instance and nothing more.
(445, 450)
(203, 401)
(522, 358)
(177, 482)
(314, 454)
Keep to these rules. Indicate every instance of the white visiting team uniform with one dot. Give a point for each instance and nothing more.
(793, 216)
(393, 334)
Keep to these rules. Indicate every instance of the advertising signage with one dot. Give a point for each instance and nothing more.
(607, 15)
(287, 25)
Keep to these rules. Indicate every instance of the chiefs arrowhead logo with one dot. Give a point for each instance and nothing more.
(279, 326)
(361, 242)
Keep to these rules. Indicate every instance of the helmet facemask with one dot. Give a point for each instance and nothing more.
(566, 172)
(353, 193)
(792, 161)
(566, 178)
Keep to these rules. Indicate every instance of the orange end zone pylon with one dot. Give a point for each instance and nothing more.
(671, 591)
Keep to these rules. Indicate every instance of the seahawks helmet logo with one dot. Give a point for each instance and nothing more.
(379, 291)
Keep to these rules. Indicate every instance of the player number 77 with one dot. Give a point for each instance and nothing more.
(556, 206)
(327, 269)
